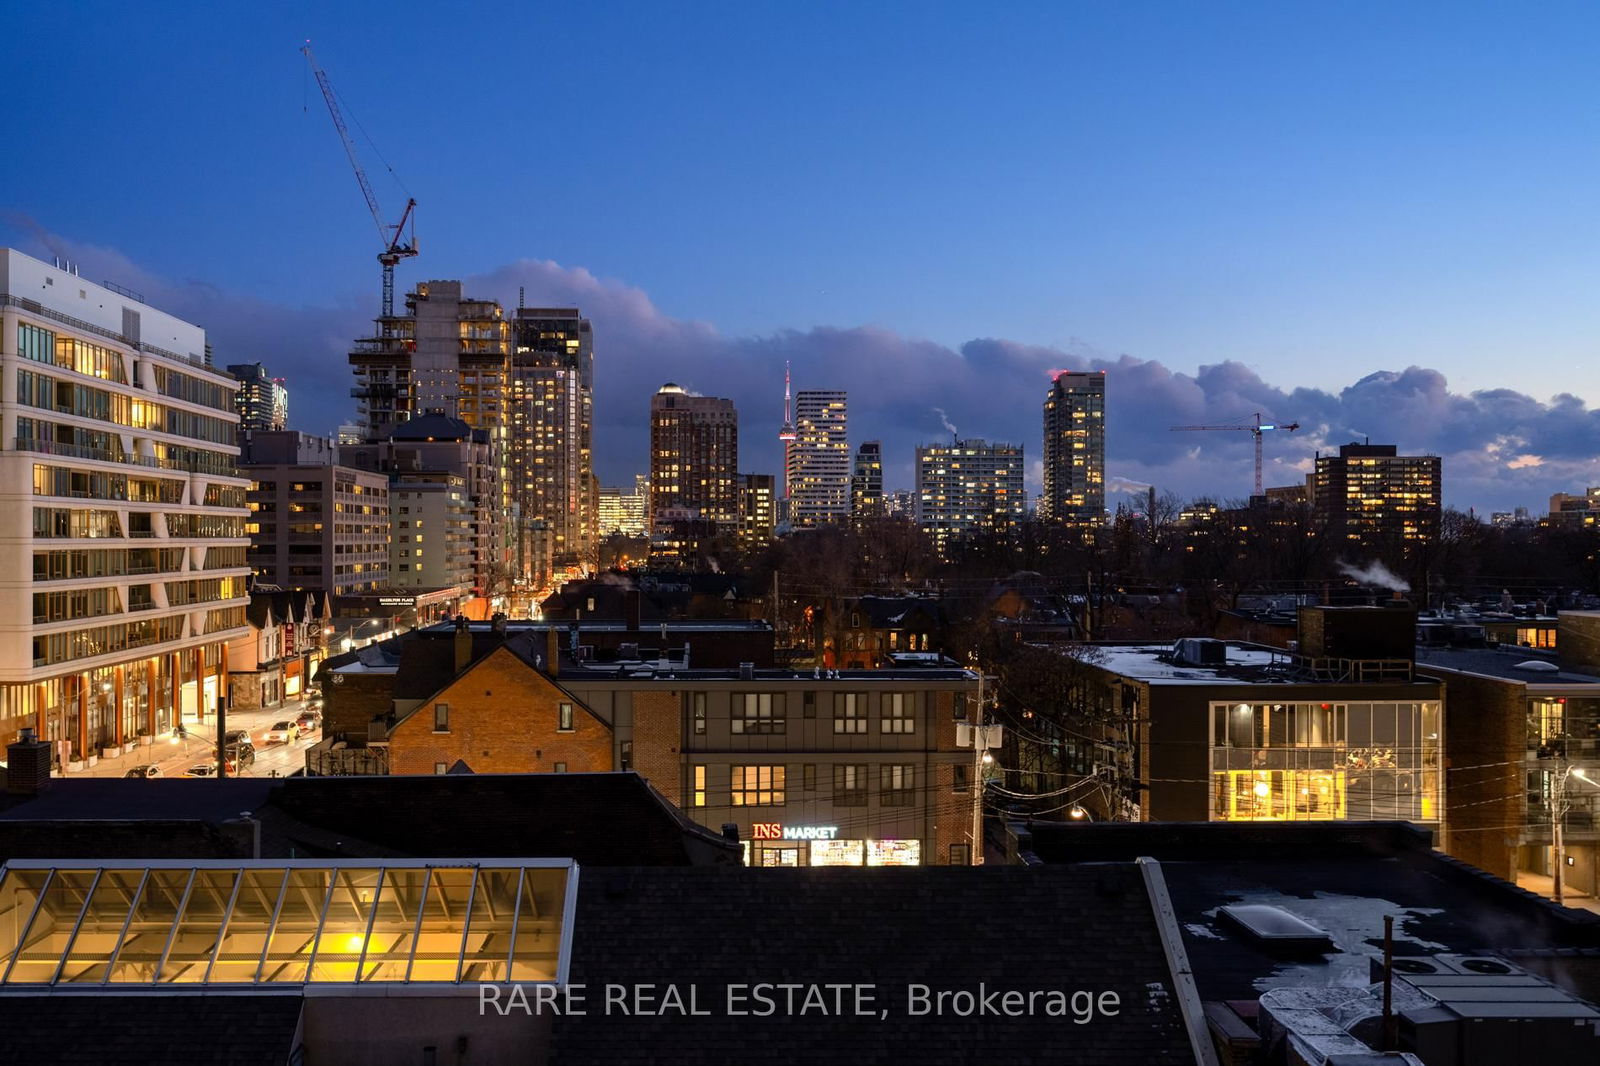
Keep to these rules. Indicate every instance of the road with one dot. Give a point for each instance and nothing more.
(175, 755)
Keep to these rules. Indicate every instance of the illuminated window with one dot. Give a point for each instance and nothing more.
(758, 712)
(850, 712)
(897, 715)
(758, 786)
(283, 923)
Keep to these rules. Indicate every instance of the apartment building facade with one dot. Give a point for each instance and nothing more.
(445, 472)
(866, 481)
(694, 458)
(314, 524)
(817, 460)
(261, 399)
(1075, 448)
(1374, 498)
(123, 552)
(550, 405)
(969, 486)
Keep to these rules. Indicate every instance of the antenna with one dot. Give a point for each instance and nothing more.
(787, 433)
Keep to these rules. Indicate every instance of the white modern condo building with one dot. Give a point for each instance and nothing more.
(122, 514)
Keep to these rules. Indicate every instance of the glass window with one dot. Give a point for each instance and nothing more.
(758, 786)
(897, 715)
(758, 712)
(898, 785)
(699, 713)
(850, 785)
(698, 798)
(441, 717)
(850, 712)
(564, 717)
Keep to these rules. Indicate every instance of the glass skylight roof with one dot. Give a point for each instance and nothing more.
(280, 923)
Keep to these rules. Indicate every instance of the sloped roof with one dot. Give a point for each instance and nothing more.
(605, 819)
(432, 426)
(950, 928)
(231, 1030)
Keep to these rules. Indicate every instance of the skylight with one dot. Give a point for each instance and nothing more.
(267, 923)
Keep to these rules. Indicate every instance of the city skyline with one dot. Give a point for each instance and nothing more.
(1374, 241)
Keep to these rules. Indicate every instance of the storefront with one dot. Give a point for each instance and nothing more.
(777, 844)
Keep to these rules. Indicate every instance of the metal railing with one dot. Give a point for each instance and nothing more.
(34, 307)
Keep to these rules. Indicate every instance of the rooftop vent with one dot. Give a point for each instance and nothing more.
(747, 671)
(1537, 666)
(1276, 929)
(1200, 651)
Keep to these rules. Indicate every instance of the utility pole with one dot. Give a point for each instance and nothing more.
(978, 750)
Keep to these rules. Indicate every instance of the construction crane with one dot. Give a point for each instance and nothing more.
(1258, 429)
(396, 246)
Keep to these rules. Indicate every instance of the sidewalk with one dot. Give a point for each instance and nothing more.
(1571, 895)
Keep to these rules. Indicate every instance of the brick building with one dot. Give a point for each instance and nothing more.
(1524, 753)
(842, 768)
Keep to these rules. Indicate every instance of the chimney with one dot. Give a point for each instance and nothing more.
(553, 651)
(730, 831)
(630, 609)
(28, 765)
(498, 623)
(463, 644)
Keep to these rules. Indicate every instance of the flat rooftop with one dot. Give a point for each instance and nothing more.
(1243, 664)
(611, 625)
(1503, 663)
(672, 670)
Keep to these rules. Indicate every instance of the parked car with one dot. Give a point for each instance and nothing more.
(150, 770)
(240, 756)
(284, 732)
(309, 721)
(204, 769)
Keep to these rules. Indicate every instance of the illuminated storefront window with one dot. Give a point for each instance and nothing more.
(838, 852)
(894, 853)
(1318, 761)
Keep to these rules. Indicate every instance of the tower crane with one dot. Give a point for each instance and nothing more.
(396, 245)
(1258, 428)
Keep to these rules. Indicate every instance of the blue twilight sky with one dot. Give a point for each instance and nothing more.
(1378, 219)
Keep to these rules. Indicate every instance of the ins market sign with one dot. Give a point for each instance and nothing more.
(779, 831)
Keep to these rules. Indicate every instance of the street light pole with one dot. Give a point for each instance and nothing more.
(1558, 818)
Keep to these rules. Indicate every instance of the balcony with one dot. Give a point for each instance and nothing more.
(1586, 749)
(71, 451)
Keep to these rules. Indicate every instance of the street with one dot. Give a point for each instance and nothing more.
(176, 754)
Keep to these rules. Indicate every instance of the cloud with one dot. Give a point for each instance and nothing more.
(1500, 447)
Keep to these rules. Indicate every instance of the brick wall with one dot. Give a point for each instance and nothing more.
(503, 719)
(657, 735)
(951, 810)
(1578, 640)
(349, 706)
(1485, 728)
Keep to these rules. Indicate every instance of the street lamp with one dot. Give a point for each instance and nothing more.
(1079, 814)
